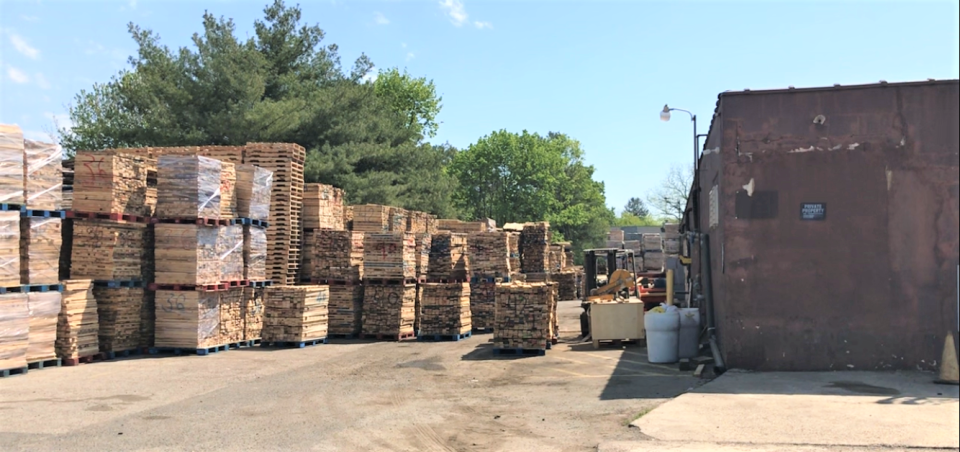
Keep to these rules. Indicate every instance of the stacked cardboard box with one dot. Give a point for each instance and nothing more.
(14, 330)
(77, 321)
(254, 253)
(423, 243)
(389, 256)
(448, 257)
(483, 303)
(40, 240)
(445, 309)
(286, 201)
(322, 207)
(337, 256)
(346, 309)
(187, 319)
(228, 190)
(535, 243)
(252, 307)
(295, 313)
(108, 250)
(118, 311)
(42, 337)
(42, 175)
(389, 310)
(231, 315)
(254, 186)
(9, 249)
(114, 181)
(11, 165)
(372, 218)
(186, 254)
(523, 316)
(188, 187)
(230, 245)
(489, 254)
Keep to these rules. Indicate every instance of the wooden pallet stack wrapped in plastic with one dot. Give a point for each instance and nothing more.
(253, 190)
(187, 319)
(337, 256)
(254, 253)
(231, 315)
(228, 190)
(535, 248)
(118, 311)
(14, 331)
(389, 256)
(322, 207)
(230, 246)
(489, 254)
(523, 316)
(11, 165)
(252, 309)
(40, 241)
(42, 175)
(42, 337)
(346, 309)
(448, 258)
(77, 322)
(295, 313)
(445, 309)
(188, 187)
(186, 254)
(285, 161)
(388, 311)
(10, 248)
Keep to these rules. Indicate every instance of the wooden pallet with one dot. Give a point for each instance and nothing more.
(37, 365)
(519, 352)
(75, 361)
(443, 337)
(389, 337)
(293, 344)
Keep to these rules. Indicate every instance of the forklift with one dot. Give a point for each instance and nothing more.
(608, 274)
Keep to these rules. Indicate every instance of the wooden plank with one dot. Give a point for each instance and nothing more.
(295, 313)
(77, 322)
(40, 241)
(9, 248)
(445, 309)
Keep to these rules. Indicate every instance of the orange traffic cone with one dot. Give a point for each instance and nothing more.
(949, 372)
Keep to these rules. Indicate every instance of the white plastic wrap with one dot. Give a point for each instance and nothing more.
(42, 335)
(188, 187)
(40, 243)
(254, 253)
(9, 249)
(253, 190)
(14, 330)
(230, 251)
(11, 165)
(42, 175)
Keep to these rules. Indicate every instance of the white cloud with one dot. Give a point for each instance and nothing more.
(42, 81)
(371, 76)
(481, 25)
(17, 75)
(132, 4)
(23, 46)
(59, 121)
(380, 19)
(410, 56)
(454, 9)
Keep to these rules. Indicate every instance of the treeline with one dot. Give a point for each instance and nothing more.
(364, 134)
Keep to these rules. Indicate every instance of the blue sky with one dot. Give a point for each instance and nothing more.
(599, 71)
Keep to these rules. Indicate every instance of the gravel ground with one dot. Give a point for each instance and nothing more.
(344, 396)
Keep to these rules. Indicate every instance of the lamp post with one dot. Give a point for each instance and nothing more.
(665, 116)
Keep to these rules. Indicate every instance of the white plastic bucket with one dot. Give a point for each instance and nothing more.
(663, 336)
(689, 333)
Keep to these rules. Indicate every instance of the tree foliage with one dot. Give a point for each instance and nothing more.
(669, 199)
(528, 177)
(629, 219)
(637, 208)
(283, 84)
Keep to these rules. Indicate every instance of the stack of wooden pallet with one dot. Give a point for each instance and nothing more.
(11, 165)
(348, 218)
(188, 187)
(148, 318)
(422, 244)
(445, 309)
(254, 186)
(187, 319)
(371, 218)
(9, 248)
(389, 311)
(254, 253)
(66, 192)
(286, 201)
(419, 222)
(40, 240)
(231, 315)
(398, 218)
(230, 247)
(77, 321)
(567, 285)
(42, 337)
(228, 190)
(483, 302)
(448, 258)
(118, 310)
(252, 309)
(108, 250)
(462, 227)
(14, 330)
(229, 154)
(523, 316)
(513, 241)
(295, 313)
(42, 175)
(489, 254)
(114, 182)
(186, 254)
(535, 243)
(337, 256)
(557, 258)
(671, 239)
(346, 309)
(322, 207)
(389, 256)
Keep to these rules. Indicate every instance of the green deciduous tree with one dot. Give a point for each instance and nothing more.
(669, 199)
(528, 177)
(414, 98)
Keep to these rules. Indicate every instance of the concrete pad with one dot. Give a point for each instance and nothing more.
(812, 409)
(660, 446)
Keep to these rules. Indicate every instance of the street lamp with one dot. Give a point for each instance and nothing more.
(665, 116)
